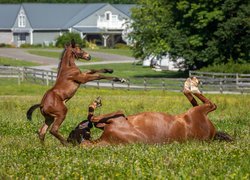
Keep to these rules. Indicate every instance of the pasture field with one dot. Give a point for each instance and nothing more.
(128, 70)
(13, 62)
(22, 155)
(54, 53)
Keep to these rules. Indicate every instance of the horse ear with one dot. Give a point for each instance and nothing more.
(73, 43)
(66, 45)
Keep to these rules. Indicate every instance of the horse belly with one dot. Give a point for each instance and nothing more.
(156, 127)
(120, 131)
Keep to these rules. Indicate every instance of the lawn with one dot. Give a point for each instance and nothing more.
(123, 52)
(53, 53)
(139, 75)
(23, 157)
(130, 70)
(14, 62)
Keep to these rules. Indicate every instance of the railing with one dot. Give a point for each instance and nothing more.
(210, 82)
(223, 81)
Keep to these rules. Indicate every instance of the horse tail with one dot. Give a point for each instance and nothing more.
(30, 111)
(222, 136)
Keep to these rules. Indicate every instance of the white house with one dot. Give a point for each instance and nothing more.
(36, 23)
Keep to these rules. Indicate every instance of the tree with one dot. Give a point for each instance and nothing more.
(203, 32)
(67, 37)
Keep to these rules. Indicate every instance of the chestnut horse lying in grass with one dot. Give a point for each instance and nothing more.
(155, 127)
(69, 79)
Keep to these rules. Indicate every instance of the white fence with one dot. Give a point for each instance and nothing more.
(210, 82)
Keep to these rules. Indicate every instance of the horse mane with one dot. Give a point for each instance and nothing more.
(61, 57)
(63, 52)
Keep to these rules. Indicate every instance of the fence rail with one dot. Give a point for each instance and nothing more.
(210, 82)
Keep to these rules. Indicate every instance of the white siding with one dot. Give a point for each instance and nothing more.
(6, 37)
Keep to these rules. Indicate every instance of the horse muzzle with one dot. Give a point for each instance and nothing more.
(88, 58)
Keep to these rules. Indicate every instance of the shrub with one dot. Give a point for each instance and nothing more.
(67, 37)
(31, 45)
(92, 45)
(228, 68)
(2, 45)
(121, 46)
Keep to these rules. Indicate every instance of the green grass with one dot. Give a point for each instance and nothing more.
(123, 52)
(52, 54)
(46, 53)
(22, 156)
(15, 62)
(55, 53)
(128, 70)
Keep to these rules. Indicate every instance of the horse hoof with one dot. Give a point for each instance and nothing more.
(122, 80)
(110, 71)
(98, 102)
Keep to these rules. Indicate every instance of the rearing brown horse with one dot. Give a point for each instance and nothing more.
(155, 127)
(69, 78)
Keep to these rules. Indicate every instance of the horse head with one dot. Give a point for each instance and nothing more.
(78, 52)
(71, 52)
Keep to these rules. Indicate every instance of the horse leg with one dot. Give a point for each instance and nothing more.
(97, 76)
(190, 98)
(209, 105)
(93, 71)
(58, 120)
(85, 77)
(55, 127)
(43, 130)
(191, 86)
(96, 103)
(105, 117)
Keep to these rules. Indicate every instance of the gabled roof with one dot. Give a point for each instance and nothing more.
(8, 14)
(125, 8)
(52, 16)
(86, 11)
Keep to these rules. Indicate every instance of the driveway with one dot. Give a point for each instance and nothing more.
(49, 63)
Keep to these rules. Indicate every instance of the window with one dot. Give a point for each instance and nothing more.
(21, 19)
(22, 37)
(108, 15)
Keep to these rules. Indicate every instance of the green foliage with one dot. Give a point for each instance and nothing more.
(121, 46)
(3, 45)
(23, 157)
(31, 45)
(230, 67)
(150, 21)
(67, 37)
(201, 32)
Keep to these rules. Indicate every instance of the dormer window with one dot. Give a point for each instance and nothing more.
(21, 19)
(108, 15)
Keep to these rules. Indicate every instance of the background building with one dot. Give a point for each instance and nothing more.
(34, 23)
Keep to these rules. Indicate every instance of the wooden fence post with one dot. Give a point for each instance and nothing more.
(163, 84)
(145, 84)
(128, 84)
(19, 77)
(201, 86)
(221, 87)
(47, 78)
(98, 84)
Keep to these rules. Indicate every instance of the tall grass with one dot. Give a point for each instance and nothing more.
(22, 155)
